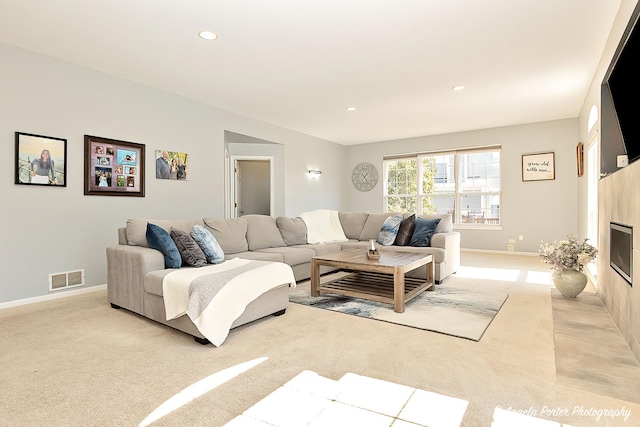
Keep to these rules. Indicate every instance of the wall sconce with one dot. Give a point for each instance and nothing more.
(314, 173)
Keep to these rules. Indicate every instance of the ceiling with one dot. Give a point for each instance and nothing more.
(300, 63)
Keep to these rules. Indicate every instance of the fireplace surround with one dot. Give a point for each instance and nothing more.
(618, 198)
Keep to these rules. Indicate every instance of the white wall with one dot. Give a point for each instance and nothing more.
(540, 210)
(51, 230)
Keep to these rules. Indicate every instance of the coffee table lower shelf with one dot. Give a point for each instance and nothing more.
(374, 286)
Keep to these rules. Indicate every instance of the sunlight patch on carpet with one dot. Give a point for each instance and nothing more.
(447, 310)
(503, 274)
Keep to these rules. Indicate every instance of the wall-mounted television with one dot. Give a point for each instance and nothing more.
(620, 97)
(621, 250)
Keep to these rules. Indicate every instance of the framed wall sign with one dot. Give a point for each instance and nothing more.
(113, 168)
(538, 166)
(40, 160)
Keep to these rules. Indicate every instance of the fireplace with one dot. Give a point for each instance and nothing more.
(621, 250)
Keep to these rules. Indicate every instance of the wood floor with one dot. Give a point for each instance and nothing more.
(594, 359)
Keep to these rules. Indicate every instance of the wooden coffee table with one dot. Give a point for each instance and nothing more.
(382, 280)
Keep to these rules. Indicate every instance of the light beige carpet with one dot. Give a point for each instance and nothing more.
(78, 362)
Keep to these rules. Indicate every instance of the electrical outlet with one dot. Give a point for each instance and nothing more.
(521, 237)
(511, 247)
(512, 240)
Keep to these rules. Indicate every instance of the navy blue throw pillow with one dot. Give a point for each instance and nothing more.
(158, 238)
(423, 231)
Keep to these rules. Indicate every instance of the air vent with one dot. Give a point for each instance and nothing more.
(67, 279)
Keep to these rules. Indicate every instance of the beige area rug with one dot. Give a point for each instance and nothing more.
(447, 310)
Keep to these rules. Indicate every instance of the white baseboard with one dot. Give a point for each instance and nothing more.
(50, 297)
(489, 251)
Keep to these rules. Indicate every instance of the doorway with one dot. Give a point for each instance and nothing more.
(252, 178)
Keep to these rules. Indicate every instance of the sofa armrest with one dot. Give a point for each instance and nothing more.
(446, 240)
(126, 268)
(450, 242)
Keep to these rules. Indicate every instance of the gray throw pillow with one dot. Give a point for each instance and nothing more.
(405, 232)
(189, 250)
(389, 230)
(208, 243)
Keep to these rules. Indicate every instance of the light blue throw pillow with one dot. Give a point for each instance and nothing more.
(389, 230)
(208, 243)
(423, 231)
(158, 238)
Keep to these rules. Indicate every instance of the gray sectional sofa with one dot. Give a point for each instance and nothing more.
(135, 271)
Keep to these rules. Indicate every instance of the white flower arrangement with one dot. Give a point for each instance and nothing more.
(567, 254)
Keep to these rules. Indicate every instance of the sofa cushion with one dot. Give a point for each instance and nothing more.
(258, 255)
(262, 232)
(424, 229)
(352, 223)
(405, 231)
(446, 222)
(323, 248)
(189, 250)
(292, 255)
(136, 229)
(212, 250)
(389, 230)
(373, 225)
(293, 230)
(159, 239)
(231, 233)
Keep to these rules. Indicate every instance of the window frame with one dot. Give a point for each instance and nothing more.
(457, 193)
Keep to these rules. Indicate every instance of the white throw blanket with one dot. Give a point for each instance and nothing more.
(323, 226)
(216, 295)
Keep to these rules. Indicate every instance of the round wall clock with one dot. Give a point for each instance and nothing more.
(364, 176)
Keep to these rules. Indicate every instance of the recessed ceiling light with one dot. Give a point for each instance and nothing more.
(351, 108)
(208, 35)
(458, 87)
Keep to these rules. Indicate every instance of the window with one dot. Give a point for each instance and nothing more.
(401, 185)
(465, 183)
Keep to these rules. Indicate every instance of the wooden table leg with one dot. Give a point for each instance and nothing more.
(315, 278)
(430, 276)
(398, 290)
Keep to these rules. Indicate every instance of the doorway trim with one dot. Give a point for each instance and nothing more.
(232, 186)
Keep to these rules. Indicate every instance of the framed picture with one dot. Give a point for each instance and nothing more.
(172, 165)
(538, 166)
(580, 158)
(113, 168)
(40, 160)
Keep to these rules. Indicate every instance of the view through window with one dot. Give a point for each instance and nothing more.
(465, 183)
